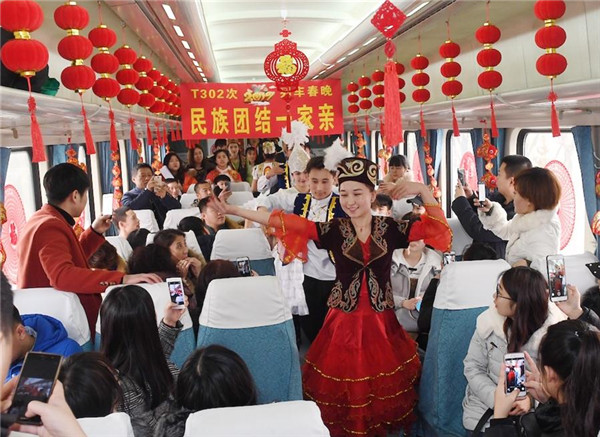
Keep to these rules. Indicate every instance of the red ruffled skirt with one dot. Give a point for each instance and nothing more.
(361, 370)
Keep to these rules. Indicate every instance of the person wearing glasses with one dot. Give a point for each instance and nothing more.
(516, 322)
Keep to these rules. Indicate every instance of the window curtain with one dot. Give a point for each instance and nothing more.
(436, 143)
(58, 154)
(476, 140)
(500, 144)
(131, 158)
(421, 152)
(106, 165)
(149, 153)
(585, 152)
(4, 158)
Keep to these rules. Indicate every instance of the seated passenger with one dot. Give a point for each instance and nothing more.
(534, 232)
(202, 189)
(466, 212)
(50, 255)
(38, 333)
(591, 298)
(107, 258)
(138, 238)
(250, 163)
(192, 223)
(516, 323)
(382, 205)
(174, 188)
(565, 383)
(212, 377)
(173, 168)
(149, 193)
(126, 221)
(223, 167)
(264, 168)
(197, 168)
(139, 351)
(91, 385)
(214, 221)
(417, 205)
(399, 170)
(221, 183)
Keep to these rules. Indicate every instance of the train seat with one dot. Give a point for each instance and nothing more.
(115, 424)
(460, 238)
(239, 198)
(122, 245)
(577, 273)
(147, 219)
(175, 215)
(240, 186)
(250, 316)
(62, 305)
(466, 289)
(191, 188)
(185, 343)
(187, 199)
(190, 240)
(231, 244)
(294, 418)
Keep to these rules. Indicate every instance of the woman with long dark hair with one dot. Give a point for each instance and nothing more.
(173, 167)
(198, 166)
(567, 385)
(212, 377)
(139, 351)
(223, 167)
(517, 322)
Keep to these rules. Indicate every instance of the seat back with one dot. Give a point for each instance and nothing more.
(62, 305)
(122, 245)
(174, 216)
(460, 238)
(295, 418)
(107, 200)
(231, 244)
(187, 199)
(240, 186)
(184, 345)
(147, 219)
(115, 424)
(190, 240)
(466, 289)
(577, 273)
(240, 197)
(251, 317)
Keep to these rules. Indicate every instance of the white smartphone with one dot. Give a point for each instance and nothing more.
(176, 291)
(481, 194)
(557, 279)
(449, 257)
(514, 371)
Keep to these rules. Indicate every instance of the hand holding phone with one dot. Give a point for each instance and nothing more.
(36, 382)
(514, 371)
(243, 266)
(176, 292)
(557, 279)
(481, 195)
(461, 176)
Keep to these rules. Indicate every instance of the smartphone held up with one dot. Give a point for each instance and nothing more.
(176, 292)
(557, 280)
(514, 370)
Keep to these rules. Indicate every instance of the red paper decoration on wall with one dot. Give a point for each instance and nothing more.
(450, 69)
(286, 66)
(489, 58)
(75, 48)
(25, 56)
(550, 37)
(387, 20)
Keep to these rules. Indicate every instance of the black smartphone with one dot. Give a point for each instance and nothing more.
(176, 292)
(36, 382)
(243, 266)
(461, 176)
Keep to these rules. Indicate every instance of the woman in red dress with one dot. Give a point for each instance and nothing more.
(362, 368)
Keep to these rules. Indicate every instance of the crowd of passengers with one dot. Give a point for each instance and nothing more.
(518, 223)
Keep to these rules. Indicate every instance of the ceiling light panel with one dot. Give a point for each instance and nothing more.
(169, 11)
(185, 44)
(191, 55)
(178, 30)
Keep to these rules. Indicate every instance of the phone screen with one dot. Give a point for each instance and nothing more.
(449, 257)
(243, 266)
(481, 193)
(36, 383)
(176, 291)
(557, 281)
(461, 176)
(514, 369)
(228, 185)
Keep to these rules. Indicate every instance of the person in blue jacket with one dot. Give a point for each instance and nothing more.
(38, 333)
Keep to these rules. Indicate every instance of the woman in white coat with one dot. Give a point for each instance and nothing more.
(517, 322)
(534, 231)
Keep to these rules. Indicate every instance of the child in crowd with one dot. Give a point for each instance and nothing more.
(399, 170)
(382, 205)
(202, 189)
(236, 157)
(223, 167)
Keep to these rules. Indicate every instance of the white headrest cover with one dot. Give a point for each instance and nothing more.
(460, 238)
(115, 424)
(160, 297)
(468, 284)
(122, 245)
(250, 302)
(61, 305)
(147, 219)
(234, 243)
(174, 216)
(240, 197)
(293, 418)
(187, 199)
(577, 273)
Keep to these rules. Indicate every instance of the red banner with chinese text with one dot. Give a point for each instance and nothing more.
(257, 110)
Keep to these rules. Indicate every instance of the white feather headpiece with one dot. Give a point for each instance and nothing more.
(298, 135)
(334, 155)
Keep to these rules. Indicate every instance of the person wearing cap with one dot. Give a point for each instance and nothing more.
(362, 353)
(417, 205)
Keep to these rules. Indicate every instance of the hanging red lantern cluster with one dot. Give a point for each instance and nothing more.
(420, 79)
(450, 69)
(378, 77)
(127, 76)
(76, 48)
(487, 151)
(286, 66)
(550, 37)
(25, 56)
(365, 104)
(488, 58)
(387, 20)
(145, 83)
(353, 107)
(401, 82)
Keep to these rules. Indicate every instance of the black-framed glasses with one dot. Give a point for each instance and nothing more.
(498, 295)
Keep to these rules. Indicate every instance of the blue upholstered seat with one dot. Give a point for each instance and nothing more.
(231, 244)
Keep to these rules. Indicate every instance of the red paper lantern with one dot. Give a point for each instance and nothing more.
(353, 109)
(551, 64)
(365, 105)
(450, 69)
(488, 34)
(378, 90)
(399, 68)
(420, 79)
(20, 15)
(154, 74)
(378, 102)
(401, 83)
(163, 81)
(377, 76)
(157, 91)
(106, 88)
(419, 62)
(452, 88)
(551, 37)
(142, 65)
(489, 80)
(75, 47)
(157, 107)
(102, 37)
(449, 50)
(402, 97)
(126, 55)
(144, 83)
(24, 56)
(128, 96)
(364, 81)
(489, 57)
(146, 100)
(421, 95)
(78, 78)
(127, 76)
(71, 16)
(365, 93)
(104, 63)
(549, 9)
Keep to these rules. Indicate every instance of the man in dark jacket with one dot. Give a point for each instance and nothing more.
(149, 194)
(467, 213)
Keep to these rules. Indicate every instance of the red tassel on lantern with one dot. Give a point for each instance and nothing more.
(422, 123)
(165, 137)
(132, 137)
(493, 121)
(455, 130)
(89, 141)
(553, 114)
(148, 131)
(37, 142)
(114, 142)
(158, 137)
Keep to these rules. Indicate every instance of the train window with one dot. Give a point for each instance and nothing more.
(560, 155)
(412, 155)
(20, 176)
(459, 154)
(85, 220)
